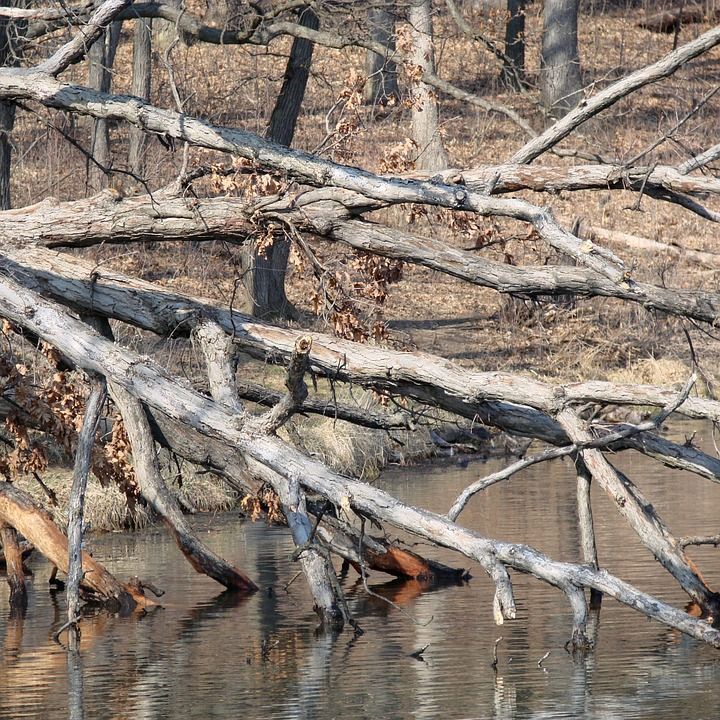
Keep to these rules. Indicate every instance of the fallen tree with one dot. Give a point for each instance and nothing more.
(60, 302)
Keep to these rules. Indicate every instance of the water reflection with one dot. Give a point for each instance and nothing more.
(207, 654)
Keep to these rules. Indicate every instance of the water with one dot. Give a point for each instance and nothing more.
(207, 654)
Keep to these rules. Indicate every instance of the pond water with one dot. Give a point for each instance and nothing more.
(208, 654)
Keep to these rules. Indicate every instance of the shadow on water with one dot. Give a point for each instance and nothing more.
(206, 654)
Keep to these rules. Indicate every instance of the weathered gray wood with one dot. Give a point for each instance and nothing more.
(296, 393)
(74, 51)
(607, 97)
(422, 376)
(76, 505)
(430, 151)
(145, 380)
(315, 563)
(154, 490)
(382, 84)
(141, 77)
(641, 516)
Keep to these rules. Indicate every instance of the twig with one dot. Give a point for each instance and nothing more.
(543, 659)
(494, 662)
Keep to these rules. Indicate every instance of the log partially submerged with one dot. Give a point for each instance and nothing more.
(219, 433)
(18, 510)
(142, 378)
(15, 569)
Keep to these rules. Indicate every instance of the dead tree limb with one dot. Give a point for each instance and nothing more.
(607, 97)
(296, 393)
(423, 377)
(77, 48)
(18, 509)
(641, 516)
(300, 165)
(76, 505)
(219, 356)
(154, 490)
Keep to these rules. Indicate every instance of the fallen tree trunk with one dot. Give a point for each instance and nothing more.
(18, 510)
(145, 380)
(425, 378)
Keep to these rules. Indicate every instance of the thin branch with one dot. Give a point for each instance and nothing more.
(590, 107)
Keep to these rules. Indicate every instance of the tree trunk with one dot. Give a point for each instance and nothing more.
(7, 112)
(101, 57)
(513, 73)
(425, 127)
(14, 568)
(297, 71)
(141, 72)
(264, 269)
(382, 83)
(560, 79)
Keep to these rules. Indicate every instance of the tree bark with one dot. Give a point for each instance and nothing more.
(382, 84)
(7, 110)
(283, 119)
(264, 268)
(76, 506)
(154, 490)
(101, 57)
(560, 79)
(141, 74)
(15, 570)
(431, 153)
(513, 74)
(19, 510)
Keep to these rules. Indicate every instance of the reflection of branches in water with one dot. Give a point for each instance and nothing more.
(204, 612)
(400, 592)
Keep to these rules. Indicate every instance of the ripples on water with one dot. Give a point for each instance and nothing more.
(207, 654)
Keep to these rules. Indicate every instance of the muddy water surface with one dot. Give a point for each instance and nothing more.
(207, 654)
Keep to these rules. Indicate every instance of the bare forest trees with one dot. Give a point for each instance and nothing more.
(560, 80)
(68, 313)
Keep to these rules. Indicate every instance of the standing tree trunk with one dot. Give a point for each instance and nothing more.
(382, 83)
(560, 80)
(7, 111)
(513, 74)
(142, 64)
(425, 130)
(264, 270)
(101, 56)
